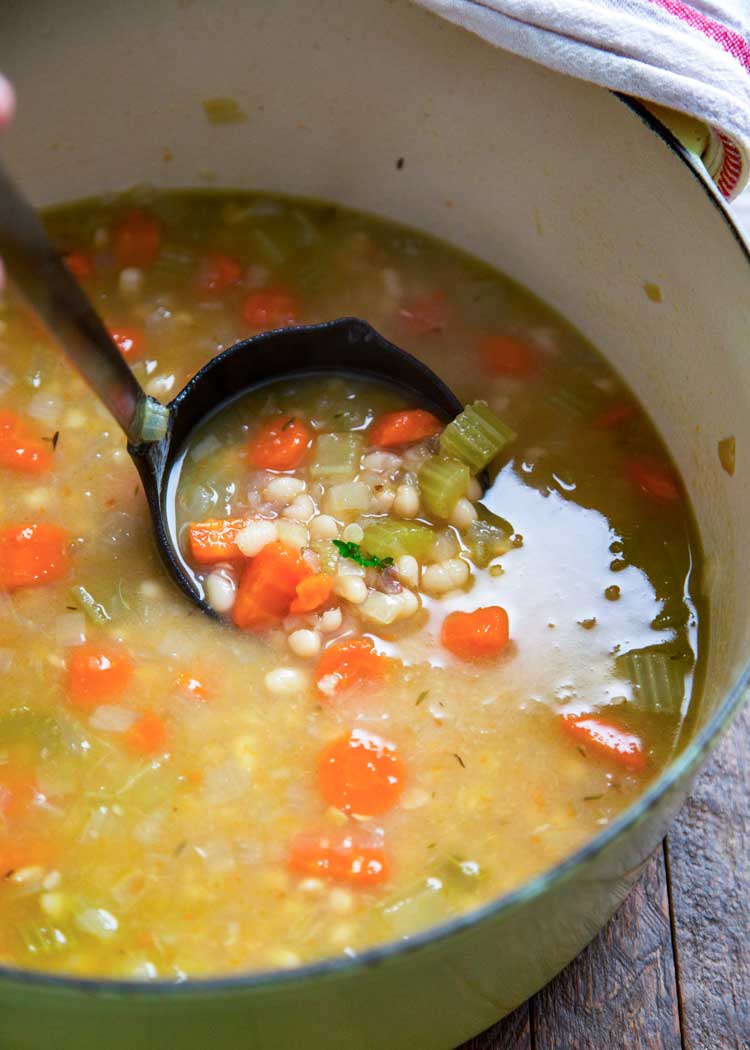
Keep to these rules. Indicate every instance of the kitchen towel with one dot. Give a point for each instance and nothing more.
(694, 58)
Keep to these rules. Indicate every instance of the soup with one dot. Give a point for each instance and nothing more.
(429, 685)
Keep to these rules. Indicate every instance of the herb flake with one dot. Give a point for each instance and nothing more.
(354, 553)
(422, 697)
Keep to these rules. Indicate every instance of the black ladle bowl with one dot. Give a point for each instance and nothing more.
(158, 434)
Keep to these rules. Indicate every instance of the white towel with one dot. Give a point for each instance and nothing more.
(694, 58)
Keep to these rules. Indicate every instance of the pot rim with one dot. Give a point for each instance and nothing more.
(678, 770)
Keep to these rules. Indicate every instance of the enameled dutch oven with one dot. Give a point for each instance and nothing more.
(579, 196)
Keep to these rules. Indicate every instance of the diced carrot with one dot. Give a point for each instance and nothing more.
(341, 857)
(476, 635)
(130, 340)
(653, 478)
(312, 593)
(137, 238)
(353, 662)
(191, 686)
(506, 355)
(15, 854)
(32, 554)
(281, 444)
(148, 735)
(268, 586)
(614, 416)
(20, 449)
(18, 789)
(79, 263)
(361, 773)
(426, 314)
(607, 739)
(404, 428)
(269, 308)
(213, 540)
(217, 272)
(98, 671)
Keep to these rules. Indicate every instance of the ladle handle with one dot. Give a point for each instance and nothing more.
(45, 281)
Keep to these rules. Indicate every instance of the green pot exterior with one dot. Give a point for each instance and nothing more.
(431, 994)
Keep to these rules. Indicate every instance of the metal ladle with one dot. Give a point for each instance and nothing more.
(156, 433)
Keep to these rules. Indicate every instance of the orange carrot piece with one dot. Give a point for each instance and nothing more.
(137, 238)
(614, 416)
(353, 662)
(507, 356)
(654, 479)
(20, 449)
(18, 789)
(342, 858)
(148, 735)
(217, 273)
(312, 593)
(268, 586)
(361, 773)
(130, 340)
(269, 308)
(280, 444)
(404, 428)
(32, 554)
(213, 540)
(476, 635)
(192, 687)
(98, 671)
(15, 854)
(426, 314)
(607, 739)
(79, 263)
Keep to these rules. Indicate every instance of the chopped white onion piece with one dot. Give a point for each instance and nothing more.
(112, 719)
(98, 922)
(204, 448)
(70, 629)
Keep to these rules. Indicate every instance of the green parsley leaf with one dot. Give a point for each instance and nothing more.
(354, 552)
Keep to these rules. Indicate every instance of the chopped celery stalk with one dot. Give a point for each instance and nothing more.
(391, 539)
(442, 483)
(444, 889)
(336, 456)
(576, 398)
(476, 436)
(327, 554)
(657, 678)
(172, 264)
(39, 939)
(488, 537)
(151, 421)
(27, 725)
(90, 607)
(269, 250)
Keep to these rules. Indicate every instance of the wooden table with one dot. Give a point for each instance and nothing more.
(671, 971)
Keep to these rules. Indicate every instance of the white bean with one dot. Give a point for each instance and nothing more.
(301, 508)
(130, 282)
(464, 513)
(324, 527)
(381, 462)
(220, 590)
(383, 498)
(406, 503)
(255, 536)
(330, 620)
(474, 490)
(407, 568)
(351, 588)
(304, 643)
(353, 533)
(388, 608)
(284, 681)
(292, 533)
(283, 490)
(445, 576)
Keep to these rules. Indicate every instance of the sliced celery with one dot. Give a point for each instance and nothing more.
(90, 607)
(173, 264)
(336, 456)
(488, 537)
(28, 725)
(442, 483)
(445, 889)
(476, 436)
(390, 539)
(327, 555)
(269, 249)
(575, 398)
(657, 677)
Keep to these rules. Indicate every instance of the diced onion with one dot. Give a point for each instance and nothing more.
(112, 719)
(44, 407)
(98, 922)
(204, 448)
(225, 783)
(70, 629)
(6, 660)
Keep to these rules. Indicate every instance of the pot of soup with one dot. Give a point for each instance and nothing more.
(460, 676)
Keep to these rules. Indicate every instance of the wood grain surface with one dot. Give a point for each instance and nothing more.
(671, 971)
